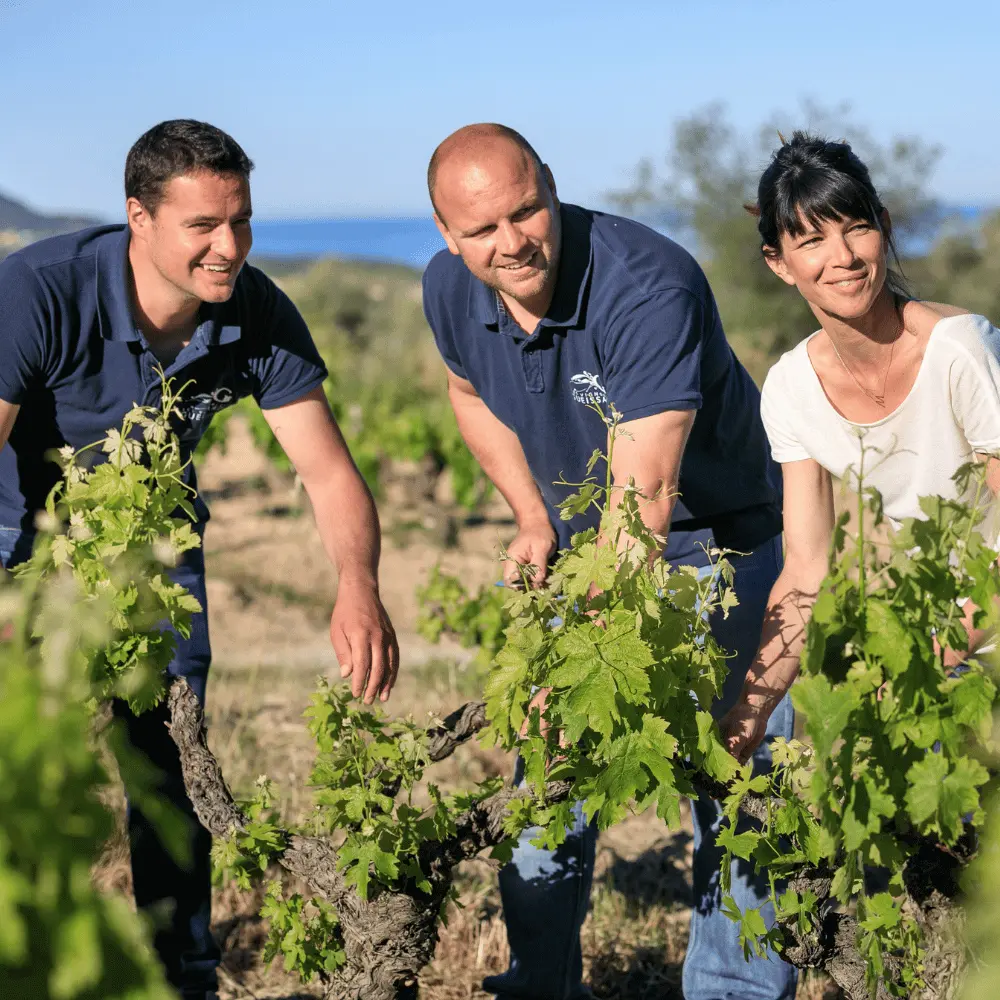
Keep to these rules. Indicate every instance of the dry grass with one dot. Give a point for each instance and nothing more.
(270, 587)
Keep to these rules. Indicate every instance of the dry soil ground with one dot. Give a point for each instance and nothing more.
(270, 594)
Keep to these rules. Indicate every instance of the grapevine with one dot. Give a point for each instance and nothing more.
(59, 937)
(385, 862)
(101, 522)
(475, 621)
(865, 833)
(893, 784)
(85, 616)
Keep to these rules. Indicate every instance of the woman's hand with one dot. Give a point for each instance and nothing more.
(744, 726)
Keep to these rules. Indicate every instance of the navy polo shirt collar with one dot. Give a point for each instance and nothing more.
(576, 260)
(575, 264)
(115, 306)
(114, 309)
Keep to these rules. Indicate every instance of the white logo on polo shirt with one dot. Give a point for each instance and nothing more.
(587, 388)
(217, 399)
(205, 404)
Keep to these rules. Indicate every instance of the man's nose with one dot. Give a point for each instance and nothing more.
(510, 240)
(224, 242)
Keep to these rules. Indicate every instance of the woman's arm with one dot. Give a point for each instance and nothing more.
(808, 524)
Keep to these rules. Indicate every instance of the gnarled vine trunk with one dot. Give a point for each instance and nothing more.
(391, 936)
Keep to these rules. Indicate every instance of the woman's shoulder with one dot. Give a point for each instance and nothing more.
(930, 312)
(925, 318)
(951, 328)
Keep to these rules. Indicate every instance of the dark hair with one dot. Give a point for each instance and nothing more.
(484, 129)
(811, 180)
(176, 147)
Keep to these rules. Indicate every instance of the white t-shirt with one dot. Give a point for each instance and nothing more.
(951, 412)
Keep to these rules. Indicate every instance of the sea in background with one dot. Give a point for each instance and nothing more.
(413, 240)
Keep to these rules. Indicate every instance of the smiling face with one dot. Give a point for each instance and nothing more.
(839, 266)
(499, 211)
(199, 236)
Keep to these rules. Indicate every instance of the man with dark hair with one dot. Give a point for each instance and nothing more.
(540, 310)
(90, 324)
(176, 147)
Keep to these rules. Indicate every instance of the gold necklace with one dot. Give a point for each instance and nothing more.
(878, 397)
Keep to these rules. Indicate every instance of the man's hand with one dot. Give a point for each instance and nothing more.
(533, 546)
(538, 701)
(364, 640)
(744, 726)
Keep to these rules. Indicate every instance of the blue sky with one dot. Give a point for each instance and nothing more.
(341, 103)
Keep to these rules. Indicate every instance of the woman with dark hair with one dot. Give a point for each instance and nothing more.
(915, 384)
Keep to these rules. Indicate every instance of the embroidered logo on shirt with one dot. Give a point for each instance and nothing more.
(205, 403)
(587, 388)
(197, 410)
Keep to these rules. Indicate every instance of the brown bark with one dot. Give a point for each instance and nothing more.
(392, 935)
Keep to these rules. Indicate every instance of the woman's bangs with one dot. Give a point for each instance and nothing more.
(813, 198)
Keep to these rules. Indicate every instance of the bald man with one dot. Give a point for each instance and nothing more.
(539, 309)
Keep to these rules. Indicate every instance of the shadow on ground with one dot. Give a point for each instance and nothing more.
(660, 876)
(638, 929)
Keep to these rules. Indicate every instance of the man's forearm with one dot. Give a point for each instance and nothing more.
(497, 449)
(656, 506)
(348, 526)
(649, 452)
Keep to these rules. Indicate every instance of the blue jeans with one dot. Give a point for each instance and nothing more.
(545, 894)
(177, 899)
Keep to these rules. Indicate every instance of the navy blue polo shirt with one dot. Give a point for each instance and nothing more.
(633, 322)
(73, 358)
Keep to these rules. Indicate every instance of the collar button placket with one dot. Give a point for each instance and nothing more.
(150, 381)
(531, 365)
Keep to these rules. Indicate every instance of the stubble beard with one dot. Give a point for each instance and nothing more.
(519, 291)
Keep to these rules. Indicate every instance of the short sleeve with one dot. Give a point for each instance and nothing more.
(652, 355)
(290, 365)
(975, 387)
(24, 325)
(777, 410)
(443, 330)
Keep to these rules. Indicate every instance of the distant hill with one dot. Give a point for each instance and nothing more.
(14, 215)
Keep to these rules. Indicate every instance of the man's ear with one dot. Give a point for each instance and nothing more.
(448, 238)
(138, 216)
(777, 264)
(550, 182)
